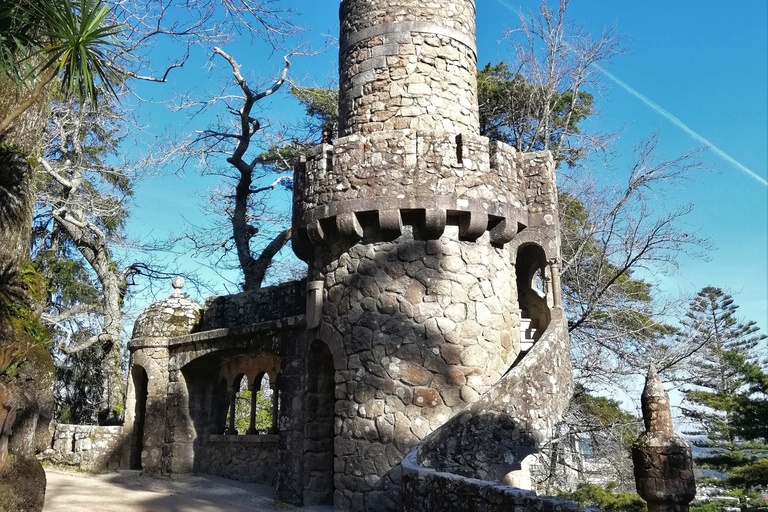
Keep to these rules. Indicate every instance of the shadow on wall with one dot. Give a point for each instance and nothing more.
(417, 334)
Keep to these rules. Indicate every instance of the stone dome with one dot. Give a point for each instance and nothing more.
(174, 316)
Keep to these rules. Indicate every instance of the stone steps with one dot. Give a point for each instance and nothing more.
(529, 331)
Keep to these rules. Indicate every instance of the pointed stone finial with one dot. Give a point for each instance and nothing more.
(662, 460)
(657, 414)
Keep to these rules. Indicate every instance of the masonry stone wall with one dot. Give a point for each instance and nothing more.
(87, 447)
(407, 65)
(246, 458)
(427, 490)
(253, 307)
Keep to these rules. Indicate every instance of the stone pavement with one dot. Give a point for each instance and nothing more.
(131, 491)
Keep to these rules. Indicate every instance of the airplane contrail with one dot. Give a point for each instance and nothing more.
(677, 122)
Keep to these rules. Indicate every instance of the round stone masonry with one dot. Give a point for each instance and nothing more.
(174, 316)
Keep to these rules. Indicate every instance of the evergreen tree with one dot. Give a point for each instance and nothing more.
(727, 391)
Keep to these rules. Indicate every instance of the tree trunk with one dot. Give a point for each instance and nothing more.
(22, 480)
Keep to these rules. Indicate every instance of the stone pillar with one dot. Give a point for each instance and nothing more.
(273, 429)
(557, 299)
(231, 430)
(254, 398)
(663, 462)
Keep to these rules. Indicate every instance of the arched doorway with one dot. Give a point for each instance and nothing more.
(140, 386)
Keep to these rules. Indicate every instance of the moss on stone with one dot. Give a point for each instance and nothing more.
(22, 485)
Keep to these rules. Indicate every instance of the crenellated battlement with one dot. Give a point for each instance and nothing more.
(370, 186)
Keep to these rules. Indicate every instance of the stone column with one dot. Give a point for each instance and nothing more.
(663, 462)
(252, 430)
(231, 430)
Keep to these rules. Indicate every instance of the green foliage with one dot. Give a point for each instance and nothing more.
(79, 383)
(82, 46)
(263, 420)
(530, 117)
(73, 40)
(321, 104)
(605, 498)
(727, 392)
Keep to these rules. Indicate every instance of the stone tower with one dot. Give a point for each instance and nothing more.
(433, 257)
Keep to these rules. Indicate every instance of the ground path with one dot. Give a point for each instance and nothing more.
(133, 492)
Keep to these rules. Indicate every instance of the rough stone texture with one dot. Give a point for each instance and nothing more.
(88, 447)
(25, 412)
(247, 458)
(405, 64)
(174, 316)
(492, 436)
(662, 460)
(429, 248)
(427, 490)
(248, 308)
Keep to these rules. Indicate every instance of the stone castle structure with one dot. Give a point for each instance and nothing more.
(426, 354)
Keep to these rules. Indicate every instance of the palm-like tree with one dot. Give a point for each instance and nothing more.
(40, 40)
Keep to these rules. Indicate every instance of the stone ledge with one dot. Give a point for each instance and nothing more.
(246, 438)
(281, 324)
(427, 490)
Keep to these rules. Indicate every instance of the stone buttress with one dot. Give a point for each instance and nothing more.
(432, 251)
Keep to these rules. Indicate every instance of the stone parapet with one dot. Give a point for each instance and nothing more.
(368, 187)
(86, 447)
(427, 490)
(247, 308)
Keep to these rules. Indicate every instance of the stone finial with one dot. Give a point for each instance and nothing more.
(178, 284)
(657, 414)
(662, 460)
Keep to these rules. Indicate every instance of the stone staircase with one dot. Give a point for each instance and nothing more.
(529, 331)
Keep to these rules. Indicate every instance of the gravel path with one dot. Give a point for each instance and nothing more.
(131, 491)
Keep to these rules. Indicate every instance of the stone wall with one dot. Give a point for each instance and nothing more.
(248, 308)
(423, 327)
(87, 447)
(407, 66)
(247, 458)
(427, 490)
(494, 434)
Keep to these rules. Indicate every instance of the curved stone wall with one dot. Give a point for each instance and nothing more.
(427, 327)
(407, 66)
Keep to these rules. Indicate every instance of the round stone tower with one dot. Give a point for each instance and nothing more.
(407, 224)
(406, 64)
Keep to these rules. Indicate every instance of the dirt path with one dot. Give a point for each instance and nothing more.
(133, 492)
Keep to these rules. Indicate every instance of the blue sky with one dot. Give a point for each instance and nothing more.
(696, 71)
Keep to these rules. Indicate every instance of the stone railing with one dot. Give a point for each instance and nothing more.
(87, 447)
(427, 490)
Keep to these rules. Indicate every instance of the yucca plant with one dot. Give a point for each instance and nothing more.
(42, 40)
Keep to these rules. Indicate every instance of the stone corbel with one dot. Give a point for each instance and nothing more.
(349, 226)
(472, 225)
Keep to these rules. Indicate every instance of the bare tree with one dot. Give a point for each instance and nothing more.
(557, 65)
(613, 239)
(251, 157)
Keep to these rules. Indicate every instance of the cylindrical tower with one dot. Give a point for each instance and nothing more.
(405, 223)
(406, 64)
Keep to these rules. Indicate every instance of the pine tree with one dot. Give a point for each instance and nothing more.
(727, 391)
